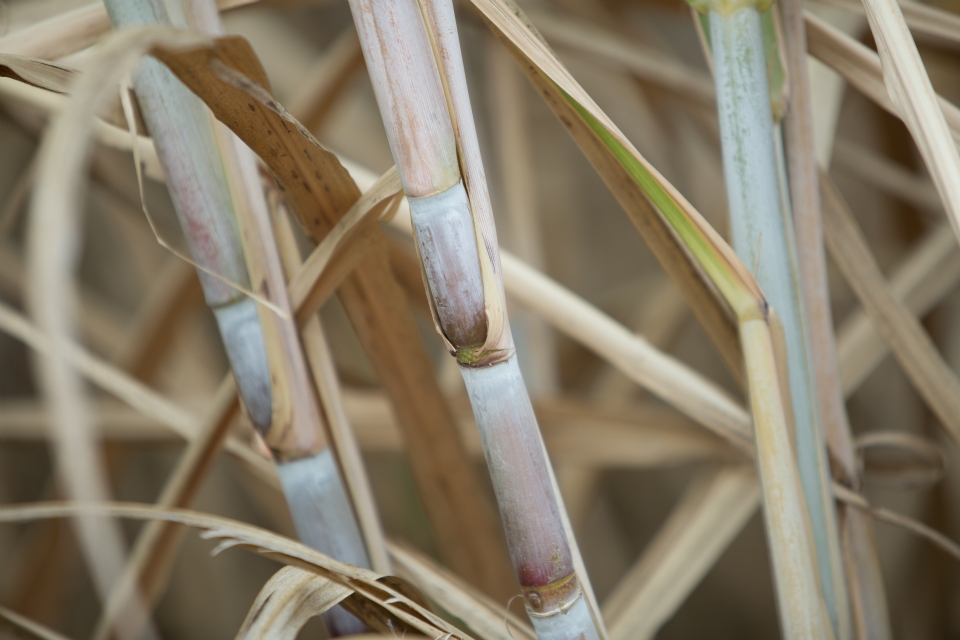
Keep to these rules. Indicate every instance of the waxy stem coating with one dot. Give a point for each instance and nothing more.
(518, 468)
(187, 148)
(325, 521)
(447, 244)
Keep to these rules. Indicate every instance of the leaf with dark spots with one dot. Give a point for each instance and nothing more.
(214, 75)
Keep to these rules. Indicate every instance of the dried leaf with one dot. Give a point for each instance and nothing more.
(311, 286)
(390, 604)
(485, 617)
(710, 515)
(133, 392)
(640, 200)
(902, 332)
(288, 600)
(38, 73)
(53, 256)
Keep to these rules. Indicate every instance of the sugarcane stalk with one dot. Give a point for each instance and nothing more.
(308, 469)
(417, 76)
(214, 184)
(198, 187)
(762, 236)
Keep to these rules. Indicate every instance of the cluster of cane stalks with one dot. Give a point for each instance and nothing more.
(239, 167)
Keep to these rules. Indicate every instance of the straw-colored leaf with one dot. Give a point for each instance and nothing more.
(287, 602)
(23, 625)
(312, 284)
(71, 31)
(60, 35)
(648, 435)
(381, 603)
(611, 48)
(563, 94)
(39, 73)
(938, 25)
(121, 385)
(485, 617)
(110, 135)
(52, 259)
(151, 559)
(651, 368)
(863, 68)
(914, 99)
(920, 280)
(711, 513)
(902, 332)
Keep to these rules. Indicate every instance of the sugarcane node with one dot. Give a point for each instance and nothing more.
(554, 598)
(286, 445)
(478, 357)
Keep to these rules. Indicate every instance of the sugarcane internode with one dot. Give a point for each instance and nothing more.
(443, 227)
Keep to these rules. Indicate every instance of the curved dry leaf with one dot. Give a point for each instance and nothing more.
(108, 134)
(484, 616)
(309, 288)
(54, 240)
(843, 494)
(924, 465)
(287, 601)
(393, 608)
